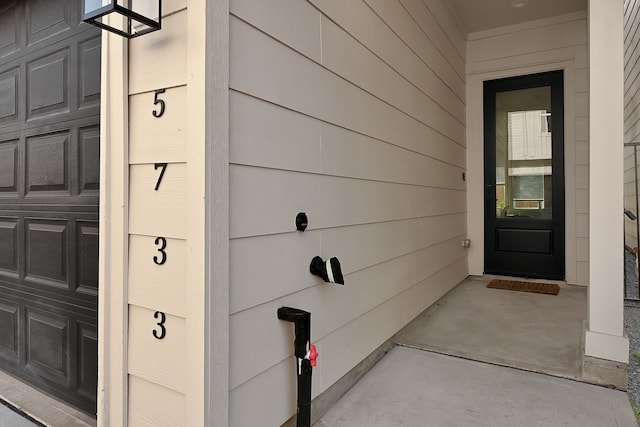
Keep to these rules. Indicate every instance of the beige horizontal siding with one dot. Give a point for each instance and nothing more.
(433, 26)
(408, 28)
(158, 288)
(158, 213)
(148, 69)
(353, 112)
(144, 409)
(358, 247)
(449, 24)
(158, 141)
(265, 201)
(167, 365)
(264, 68)
(266, 134)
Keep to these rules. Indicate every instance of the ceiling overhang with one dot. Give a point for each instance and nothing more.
(481, 15)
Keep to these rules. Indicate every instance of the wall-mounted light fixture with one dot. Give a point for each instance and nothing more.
(130, 18)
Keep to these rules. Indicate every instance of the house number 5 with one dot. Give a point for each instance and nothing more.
(156, 101)
(163, 330)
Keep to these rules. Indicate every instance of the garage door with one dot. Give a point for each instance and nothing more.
(49, 195)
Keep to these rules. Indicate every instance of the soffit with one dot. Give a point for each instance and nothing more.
(480, 15)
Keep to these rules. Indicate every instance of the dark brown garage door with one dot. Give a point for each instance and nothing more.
(49, 176)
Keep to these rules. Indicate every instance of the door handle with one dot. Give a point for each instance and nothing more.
(489, 201)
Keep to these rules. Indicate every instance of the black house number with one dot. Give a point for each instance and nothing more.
(160, 241)
(158, 101)
(163, 254)
(164, 168)
(163, 331)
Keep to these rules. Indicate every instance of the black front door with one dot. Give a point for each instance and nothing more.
(524, 176)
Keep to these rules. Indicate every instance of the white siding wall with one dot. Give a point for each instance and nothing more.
(631, 110)
(558, 43)
(165, 315)
(353, 112)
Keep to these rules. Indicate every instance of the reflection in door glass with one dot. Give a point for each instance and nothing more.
(523, 153)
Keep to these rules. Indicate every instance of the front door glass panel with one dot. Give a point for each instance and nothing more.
(524, 153)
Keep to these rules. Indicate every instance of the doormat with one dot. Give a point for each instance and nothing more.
(514, 285)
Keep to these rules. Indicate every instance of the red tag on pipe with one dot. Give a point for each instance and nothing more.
(313, 354)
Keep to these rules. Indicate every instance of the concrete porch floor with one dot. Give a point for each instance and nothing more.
(535, 332)
(416, 388)
(454, 365)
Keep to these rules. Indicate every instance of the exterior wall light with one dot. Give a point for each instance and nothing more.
(131, 18)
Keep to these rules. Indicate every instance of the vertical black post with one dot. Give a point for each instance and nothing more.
(302, 321)
(635, 169)
(304, 395)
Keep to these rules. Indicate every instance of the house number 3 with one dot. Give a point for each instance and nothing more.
(163, 331)
(163, 254)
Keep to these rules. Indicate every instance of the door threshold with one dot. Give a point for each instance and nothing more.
(41, 407)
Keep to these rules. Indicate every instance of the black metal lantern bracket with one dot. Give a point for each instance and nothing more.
(94, 17)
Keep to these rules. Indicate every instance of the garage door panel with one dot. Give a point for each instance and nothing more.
(88, 239)
(46, 18)
(88, 372)
(89, 73)
(47, 249)
(47, 162)
(9, 167)
(73, 304)
(9, 245)
(9, 87)
(47, 337)
(49, 197)
(43, 298)
(60, 105)
(48, 85)
(9, 330)
(89, 160)
(9, 31)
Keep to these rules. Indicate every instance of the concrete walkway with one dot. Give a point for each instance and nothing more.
(486, 357)
(42, 408)
(10, 418)
(417, 388)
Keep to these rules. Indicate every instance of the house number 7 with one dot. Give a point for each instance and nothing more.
(164, 168)
(156, 101)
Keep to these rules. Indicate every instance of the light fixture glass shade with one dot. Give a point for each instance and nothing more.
(128, 18)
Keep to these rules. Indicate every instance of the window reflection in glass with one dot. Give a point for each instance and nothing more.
(523, 153)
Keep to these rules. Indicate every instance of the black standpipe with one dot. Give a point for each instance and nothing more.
(306, 356)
